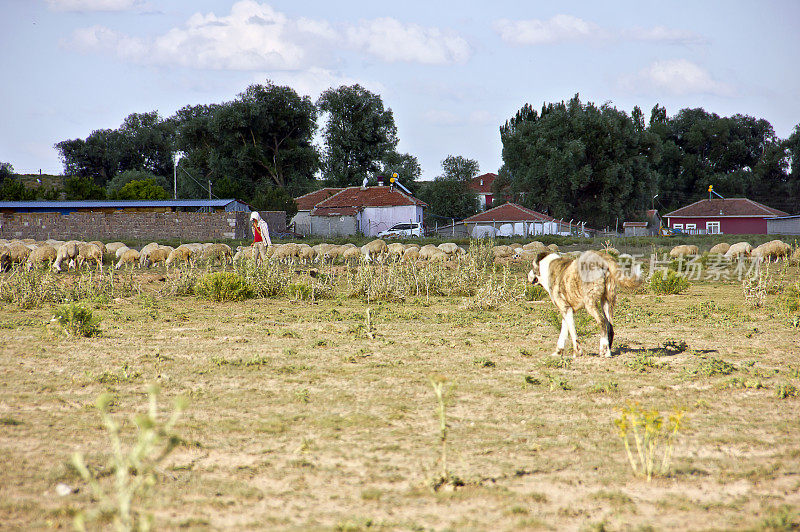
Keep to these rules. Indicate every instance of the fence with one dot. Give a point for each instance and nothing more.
(122, 225)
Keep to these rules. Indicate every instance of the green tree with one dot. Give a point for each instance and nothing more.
(145, 189)
(126, 176)
(262, 138)
(460, 168)
(83, 188)
(579, 162)
(275, 199)
(11, 188)
(448, 198)
(358, 133)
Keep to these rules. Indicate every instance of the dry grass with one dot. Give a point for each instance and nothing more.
(312, 414)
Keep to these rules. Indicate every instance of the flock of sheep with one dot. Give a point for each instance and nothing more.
(74, 254)
(775, 249)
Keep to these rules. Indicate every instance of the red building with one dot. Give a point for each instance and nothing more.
(482, 186)
(730, 216)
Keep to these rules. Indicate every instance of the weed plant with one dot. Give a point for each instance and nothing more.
(34, 288)
(134, 469)
(665, 282)
(223, 286)
(648, 432)
(441, 388)
(77, 320)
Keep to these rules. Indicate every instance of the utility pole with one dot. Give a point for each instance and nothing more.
(209, 189)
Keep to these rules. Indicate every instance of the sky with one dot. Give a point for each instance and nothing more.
(452, 72)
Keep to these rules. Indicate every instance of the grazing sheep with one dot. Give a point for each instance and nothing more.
(411, 255)
(439, 256)
(396, 250)
(774, 249)
(795, 258)
(720, 249)
(181, 254)
(553, 248)
(306, 253)
(145, 251)
(90, 252)
(113, 247)
(120, 252)
(449, 247)
(100, 246)
(680, 251)
(155, 256)
(534, 246)
(17, 253)
(5, 257)
(739, 249)
(286, 252)
(414, 246)
(130, 256)
(351, 255)
(427, 251)
(41, 255)
(218, 252)
(68, 251)
(375, 250)
(502, 251)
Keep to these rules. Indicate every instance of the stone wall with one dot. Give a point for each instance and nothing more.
(120, 225)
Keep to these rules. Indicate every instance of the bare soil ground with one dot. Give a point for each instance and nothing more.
(333, 423)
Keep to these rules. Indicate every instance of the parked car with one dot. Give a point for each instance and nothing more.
(402, 230)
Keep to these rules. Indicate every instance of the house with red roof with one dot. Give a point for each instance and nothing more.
(482, 186)
(364, 210)
(301, 222)
(730, 216)
(511, 219)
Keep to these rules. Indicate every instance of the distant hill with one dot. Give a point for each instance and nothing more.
(36, 181)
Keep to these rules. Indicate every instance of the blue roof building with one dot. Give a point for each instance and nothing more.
(169, 205)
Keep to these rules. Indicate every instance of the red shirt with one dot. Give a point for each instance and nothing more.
(257, 233)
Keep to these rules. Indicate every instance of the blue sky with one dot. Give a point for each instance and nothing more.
(452, 72)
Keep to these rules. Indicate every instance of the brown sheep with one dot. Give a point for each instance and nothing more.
(157, 255)
(181, 254)
(375, 250)
(41, 255)
(680, 251)
(218, 252)
(720, 249)
(90, 252)
(411, 255)
(130, 256)
(774, 249)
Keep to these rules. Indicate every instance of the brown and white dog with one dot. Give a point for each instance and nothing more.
(589, 281)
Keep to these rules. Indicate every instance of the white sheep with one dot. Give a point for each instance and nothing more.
(161, 254)
(774, 249)
(375, 250)
(739, 249)
(69, 252)
(680, 251)
(120, 252)
(145, 252)
(411, 255)
(720, 249)
(181, 254)
(113, 247)
(448, 247)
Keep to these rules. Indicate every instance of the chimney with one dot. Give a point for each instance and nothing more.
(380, 180)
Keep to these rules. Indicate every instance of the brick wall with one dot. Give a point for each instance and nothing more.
(196, 226)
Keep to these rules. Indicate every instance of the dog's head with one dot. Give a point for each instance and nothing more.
(533, 275)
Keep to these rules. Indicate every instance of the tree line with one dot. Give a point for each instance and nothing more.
(602, 166)
(590, 163)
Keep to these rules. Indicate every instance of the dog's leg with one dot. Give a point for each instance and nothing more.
(562, 337)
(606, 330)
(570, 319)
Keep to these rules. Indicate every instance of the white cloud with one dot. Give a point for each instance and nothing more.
(94, 5)
(564, 28)
(392, 41)
(314, 81)
(559, 28)
(676, 77)
(256, 37)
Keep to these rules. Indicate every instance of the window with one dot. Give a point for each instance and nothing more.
(712, 228)
(678, 226)
(691, 227)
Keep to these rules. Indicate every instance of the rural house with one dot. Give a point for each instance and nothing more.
(482, 186)
(364, 210)
(510, 219)
(301, 222)
(729, 216)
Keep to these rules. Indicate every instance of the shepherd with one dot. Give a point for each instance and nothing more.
(260, 229)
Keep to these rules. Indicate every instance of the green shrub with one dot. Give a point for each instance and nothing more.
(535, 292)
(77, 320)
(223, 286)
(668, 282)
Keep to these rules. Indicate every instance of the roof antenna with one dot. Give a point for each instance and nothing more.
(711, 191)
(364, 183)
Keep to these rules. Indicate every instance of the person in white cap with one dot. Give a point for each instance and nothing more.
(260, 229)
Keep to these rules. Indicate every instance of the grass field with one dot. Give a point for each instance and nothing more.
(320, 415)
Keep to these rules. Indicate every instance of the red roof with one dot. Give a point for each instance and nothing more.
(634, 224)
(714, 208)
(509, 212)
(307, 202)
(358, 198)
(482, 184)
